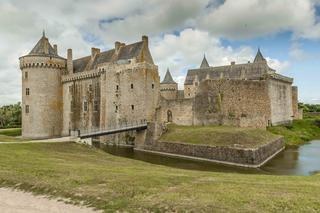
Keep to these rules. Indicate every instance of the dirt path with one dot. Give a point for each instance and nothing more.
(13, 201)
(52, 140)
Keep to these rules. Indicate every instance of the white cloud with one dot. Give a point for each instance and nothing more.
(278, 65)
(180, 31)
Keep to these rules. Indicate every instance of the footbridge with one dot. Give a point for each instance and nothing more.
(90, 133)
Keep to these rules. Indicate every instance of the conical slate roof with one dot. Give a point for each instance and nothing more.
(204, 63)
(259, 57)
(43, 47)
(168, 78)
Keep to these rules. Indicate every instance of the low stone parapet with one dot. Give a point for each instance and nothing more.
(255, 157)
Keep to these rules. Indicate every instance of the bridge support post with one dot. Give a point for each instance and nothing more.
(140, 138)
(87, 141)
(148, 136)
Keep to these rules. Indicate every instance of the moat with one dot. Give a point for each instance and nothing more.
(303, 160)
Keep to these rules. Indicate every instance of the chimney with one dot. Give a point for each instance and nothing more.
(117, 45)
(233, 63)
(145, 40)
(69, 61)
(248, 62)
(94, 52)
(55, 47)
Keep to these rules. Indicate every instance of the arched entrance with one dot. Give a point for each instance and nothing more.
(169, 116)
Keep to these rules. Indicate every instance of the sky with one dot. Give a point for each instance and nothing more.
(180, 33)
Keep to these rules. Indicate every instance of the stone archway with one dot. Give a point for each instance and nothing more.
(169, 116)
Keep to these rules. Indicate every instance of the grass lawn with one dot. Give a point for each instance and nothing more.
(113, 183)
(218, 135)
(11, 132)
(300, 132)
(9, 135)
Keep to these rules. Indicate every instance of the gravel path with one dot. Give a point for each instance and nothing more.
(13, 201)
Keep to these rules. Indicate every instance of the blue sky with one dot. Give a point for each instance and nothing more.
(180, 33)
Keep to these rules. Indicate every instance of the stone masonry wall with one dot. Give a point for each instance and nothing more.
(181, 111)
(232, 102)
(280, 94)
(225, 154)
(42, 77)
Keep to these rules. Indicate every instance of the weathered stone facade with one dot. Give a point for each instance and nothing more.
(122, 86)
(246, 157)
(104, 89)
(243, 95)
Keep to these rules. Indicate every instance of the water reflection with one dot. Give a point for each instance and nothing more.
(304, 160)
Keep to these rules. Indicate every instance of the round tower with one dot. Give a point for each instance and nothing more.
(168, 87)
(42, 91)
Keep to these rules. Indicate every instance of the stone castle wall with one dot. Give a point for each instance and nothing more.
(181, 111)
(280, 94)
(42, 76)
(169, 91)
(244, 157)
(232, 102)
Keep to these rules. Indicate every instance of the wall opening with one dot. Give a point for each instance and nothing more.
(169, 116)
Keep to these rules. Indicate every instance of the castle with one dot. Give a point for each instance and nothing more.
(122, 85)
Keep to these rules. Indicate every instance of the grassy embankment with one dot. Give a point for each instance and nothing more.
(9, 135)
(218, 135)
(300, 132)
(115, 183)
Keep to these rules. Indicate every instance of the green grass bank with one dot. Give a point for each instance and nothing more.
(113, 183)
(10, 135)
(218, 136)
(300, 132)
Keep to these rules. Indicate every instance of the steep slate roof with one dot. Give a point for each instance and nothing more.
(259, 57)
(249, 71)
(168, 78)
(125, 52)
(204, 63)
(43, 47)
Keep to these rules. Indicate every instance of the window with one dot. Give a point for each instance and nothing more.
(90, 87)
(85, 106)
(71, 106)
(116, 108)
(95, 106)
(131, 86)
(27, 91)
(27, 109)
(70, 89)
(26, 75)
(152, 86)
(132, 107)
(117, 87)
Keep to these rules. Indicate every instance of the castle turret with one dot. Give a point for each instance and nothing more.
(259, 57)
(42, 91)
(168, 87)
(204, 63)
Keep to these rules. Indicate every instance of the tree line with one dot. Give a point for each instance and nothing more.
(310, 107)
(10, 116)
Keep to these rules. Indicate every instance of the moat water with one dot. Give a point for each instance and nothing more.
(304, 160)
